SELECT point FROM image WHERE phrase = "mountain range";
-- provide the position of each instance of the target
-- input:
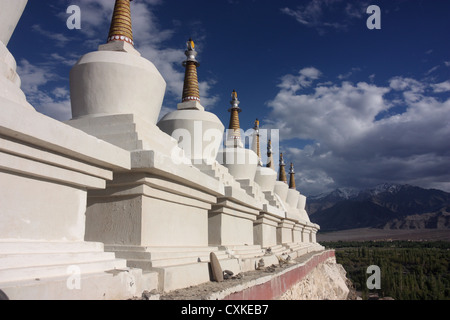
(388, 206)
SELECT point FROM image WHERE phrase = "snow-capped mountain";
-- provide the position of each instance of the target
(347, 208)
(340, 193)
(353, 193)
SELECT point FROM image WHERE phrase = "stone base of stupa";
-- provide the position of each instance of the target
(158, 215)
(175, 267)
(266, 225)
(38, 270)
(47, 169)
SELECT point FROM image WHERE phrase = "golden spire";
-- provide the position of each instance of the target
(269, 155)
(258, 149)
(234, 127)
(282, 176)
(291, 177)
(121, 28)
(190, 86)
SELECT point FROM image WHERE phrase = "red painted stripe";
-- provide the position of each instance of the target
(278, 285)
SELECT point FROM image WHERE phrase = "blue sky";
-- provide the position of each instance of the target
(355, 107)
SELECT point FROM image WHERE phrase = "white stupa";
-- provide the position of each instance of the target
(241, 162)
(198, 132)
(265, 177)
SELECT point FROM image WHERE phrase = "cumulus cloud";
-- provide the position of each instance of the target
(356, 142)
(441, 87)
(303, 79)
(58, 39)
(54, 103)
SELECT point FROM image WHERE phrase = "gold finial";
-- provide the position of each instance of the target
(234, 134)
(282, 176)
(291, 177)
(191, 44)
(190, 87)
(256, 137)
(234, 95)
(234, 120)
(121, 26)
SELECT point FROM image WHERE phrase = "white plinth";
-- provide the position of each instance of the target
(284, 231)
(265, 230)
(297, 233)
(307, 234)
(145, 210)
(231, 223)
(47, 169)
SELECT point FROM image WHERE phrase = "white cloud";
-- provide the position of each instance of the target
(60, 92)
(345, 110)
(441, 87)
(54, 103)
(304, 79)
(356, 11)
(59, 39)
(68, 60)
(352, 147)
(410, 87)
(431, 70)
(321, 14)
(32, 76)
(348, 74)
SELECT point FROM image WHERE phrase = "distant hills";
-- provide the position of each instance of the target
(388, 206)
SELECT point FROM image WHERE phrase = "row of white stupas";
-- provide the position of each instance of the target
(113, 202)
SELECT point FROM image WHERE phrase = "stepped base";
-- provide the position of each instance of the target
(253, 190)
(299, 249)
(109, 285)
(249, 256)
(278, 250)
(66, 270)
(129, 132)
(218, 172)
(176, 267)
